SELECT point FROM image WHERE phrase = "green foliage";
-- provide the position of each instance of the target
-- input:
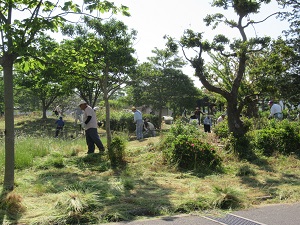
(55, 160)
(221, 129)
(278, 136)
(117, 151)
(123, 120)
(195, 205)
(182, 147)
(240, 146)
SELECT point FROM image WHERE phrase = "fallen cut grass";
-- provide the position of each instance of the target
(66, 186)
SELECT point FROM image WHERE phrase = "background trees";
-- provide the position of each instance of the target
(161, 84)
(17, 39)
(109, 45)
(291, 79)
(237, 51)
(42, 76)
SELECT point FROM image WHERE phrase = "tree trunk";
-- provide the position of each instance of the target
(107, 124)
(160, 117)
(235, 124)
(107, 110)
(9, 175)
(44, 110)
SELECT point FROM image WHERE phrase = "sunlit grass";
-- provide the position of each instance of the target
(60, 183)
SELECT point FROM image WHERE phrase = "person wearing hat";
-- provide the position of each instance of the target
(138, 120)
(275, 111)
(90, 125)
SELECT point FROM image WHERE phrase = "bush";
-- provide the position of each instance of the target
(117, 151)
(191, 153)
(282, 137)
(183, 147)
(221, 129)
(123, 120)
(240, 146)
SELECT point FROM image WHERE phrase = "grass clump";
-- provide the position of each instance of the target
(11, 204)
(226, 198)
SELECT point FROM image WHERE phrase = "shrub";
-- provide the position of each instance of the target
(221, 129)
(192, 153)
(240, 146)
(183, 147)
(117, 151)
(282, 137)
(123, 120)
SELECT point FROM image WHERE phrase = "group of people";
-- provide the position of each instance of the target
(207, 121)
(275, 112)
(142, 125)
(86, 115)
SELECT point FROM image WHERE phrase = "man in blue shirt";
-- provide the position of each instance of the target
(59, 126)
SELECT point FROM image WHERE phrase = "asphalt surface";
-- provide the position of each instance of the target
(283, 214)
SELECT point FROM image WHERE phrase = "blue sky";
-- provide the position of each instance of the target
(155, 18)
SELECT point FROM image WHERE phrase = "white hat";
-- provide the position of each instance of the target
(82, 102)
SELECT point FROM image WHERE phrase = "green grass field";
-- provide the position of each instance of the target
(56, 182)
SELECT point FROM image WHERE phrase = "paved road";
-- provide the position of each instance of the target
(285, 214)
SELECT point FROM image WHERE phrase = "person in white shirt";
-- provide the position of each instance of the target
(90, 125)
(275, 111)
(78, 116)
(149, 128)
(207, 123)
(221, 118)
(138, 120)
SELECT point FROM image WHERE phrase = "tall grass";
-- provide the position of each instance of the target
(26, 149)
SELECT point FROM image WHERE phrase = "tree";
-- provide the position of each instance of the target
(42, 76)
(291, 84)
(237, 49)
(110, 59)
(72, 57)
(1, 95)
(160, 83)
(17, 39)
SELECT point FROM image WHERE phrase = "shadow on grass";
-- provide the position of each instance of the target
(121, 196)
(45, 128)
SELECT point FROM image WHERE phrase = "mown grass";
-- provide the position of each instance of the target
(57, 183)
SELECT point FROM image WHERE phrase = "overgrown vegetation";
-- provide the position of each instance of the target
(182, 170)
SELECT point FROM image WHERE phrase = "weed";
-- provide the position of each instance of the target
(226, 198)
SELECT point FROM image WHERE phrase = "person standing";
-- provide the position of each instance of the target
(138, 120)
(57, 110)
(197, 114)
(59, 126)
(275, 111)
(207, 123)
(78, 116)
(90, 125)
